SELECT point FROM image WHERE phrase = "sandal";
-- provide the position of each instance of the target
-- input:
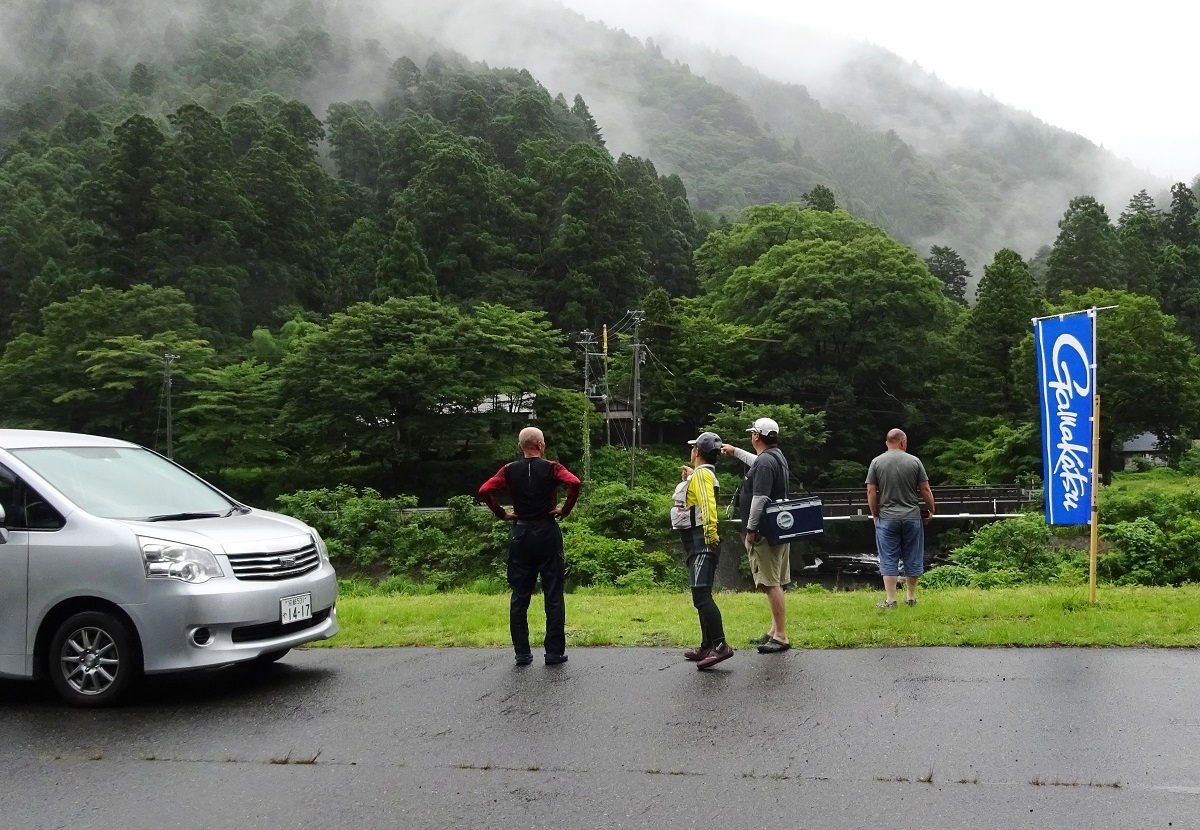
(886, 604)
(773, 646)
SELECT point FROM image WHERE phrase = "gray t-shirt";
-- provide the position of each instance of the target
(898, 476)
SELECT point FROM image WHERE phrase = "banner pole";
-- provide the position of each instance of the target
(1095, 530)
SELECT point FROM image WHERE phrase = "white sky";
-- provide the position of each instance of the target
(1123, 75)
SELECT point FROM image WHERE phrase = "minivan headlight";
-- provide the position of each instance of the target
(173, 560)
(322, 549)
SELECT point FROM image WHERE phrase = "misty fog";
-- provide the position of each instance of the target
(953, 130)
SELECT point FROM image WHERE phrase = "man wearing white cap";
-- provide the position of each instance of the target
(766, 481)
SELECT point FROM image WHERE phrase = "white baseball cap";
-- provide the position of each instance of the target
(765, 426)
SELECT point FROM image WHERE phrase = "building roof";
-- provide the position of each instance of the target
(1146, 442)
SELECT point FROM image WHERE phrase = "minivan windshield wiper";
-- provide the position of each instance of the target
(181, 517)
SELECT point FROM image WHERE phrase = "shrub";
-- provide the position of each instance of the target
(1021, 546)
(618, 511)
(593, 559)
(359, 528)
(639, 579)
(1143, 554)
(1189, 462)
(947, 576)
(997, 578)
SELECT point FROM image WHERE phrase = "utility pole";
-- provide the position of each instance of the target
(588, 341)
(168, 359)
(637, 398)
(607, 418)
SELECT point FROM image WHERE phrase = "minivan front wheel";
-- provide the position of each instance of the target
(92, 659)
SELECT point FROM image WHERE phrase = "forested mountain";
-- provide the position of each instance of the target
(994, 176)
(931, 164)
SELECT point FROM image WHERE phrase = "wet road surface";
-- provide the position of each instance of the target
(448, 738)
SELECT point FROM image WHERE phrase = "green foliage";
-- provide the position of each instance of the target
(1151, 377)
(1189, 462)
(1017, 550)
(989, 451)
(596, 559)
(371, 534)
(1155, 536)
(357, 528)
(945, 264)
(947, 576)
(998, 578)
(837, 305)
(617, 511)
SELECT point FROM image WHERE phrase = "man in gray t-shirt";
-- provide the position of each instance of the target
(896, 487)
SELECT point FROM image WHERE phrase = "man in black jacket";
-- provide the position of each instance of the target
(535, 544)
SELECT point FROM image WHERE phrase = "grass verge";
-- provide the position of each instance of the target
(1024, 616)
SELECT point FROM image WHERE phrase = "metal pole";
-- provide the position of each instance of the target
(637, 399)
(607, 411)
(586, 342)
(168, 359)
(1095, 528)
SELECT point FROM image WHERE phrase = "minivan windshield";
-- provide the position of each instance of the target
(125, 483)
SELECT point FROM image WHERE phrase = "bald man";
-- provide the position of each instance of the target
(896, 487)
(535, 544)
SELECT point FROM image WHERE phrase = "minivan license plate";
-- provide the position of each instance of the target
(294, 609)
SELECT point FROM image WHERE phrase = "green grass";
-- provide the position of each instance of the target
(1025, 616)
(1162, 480)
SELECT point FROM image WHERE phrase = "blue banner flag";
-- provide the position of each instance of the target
(1066, 348)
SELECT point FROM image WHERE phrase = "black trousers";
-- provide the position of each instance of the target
(702, 573)
(536, 548)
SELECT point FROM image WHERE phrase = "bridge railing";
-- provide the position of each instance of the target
(951, 501)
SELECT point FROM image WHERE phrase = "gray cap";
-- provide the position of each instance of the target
(706, 442)
(765, 426)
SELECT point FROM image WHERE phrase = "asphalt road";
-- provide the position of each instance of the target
(449, 738)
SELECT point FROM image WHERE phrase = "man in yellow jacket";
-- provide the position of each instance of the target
(694, 515)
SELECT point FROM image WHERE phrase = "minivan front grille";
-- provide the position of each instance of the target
(270, 567)
(269, 631)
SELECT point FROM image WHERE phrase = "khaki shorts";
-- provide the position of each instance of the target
(770, 564)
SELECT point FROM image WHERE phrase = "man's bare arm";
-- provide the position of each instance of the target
(873, 501)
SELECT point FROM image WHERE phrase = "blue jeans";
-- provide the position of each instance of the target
(900, 540)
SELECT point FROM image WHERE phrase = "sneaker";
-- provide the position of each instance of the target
(760, 641)
(524, 659)
(695, 654)
(886, 604)
(555, 659)
(911, 603)
(773, 646)
(723, 651)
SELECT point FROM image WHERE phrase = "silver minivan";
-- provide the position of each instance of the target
(115, 561)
